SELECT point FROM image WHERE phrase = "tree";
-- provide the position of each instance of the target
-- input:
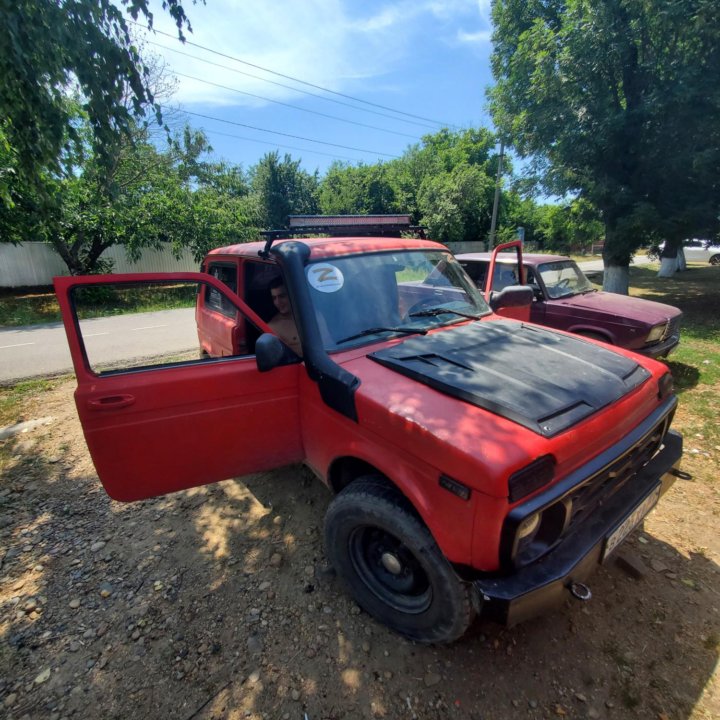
(145, 198)
(618, 101)
(456, 205)
(48, 48)
(282, 189)
(357, 190)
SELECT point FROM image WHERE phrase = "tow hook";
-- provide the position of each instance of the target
(580, 591)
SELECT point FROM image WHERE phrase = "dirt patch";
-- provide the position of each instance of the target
(216, 603)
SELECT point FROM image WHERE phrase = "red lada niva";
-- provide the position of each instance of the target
(479, 464)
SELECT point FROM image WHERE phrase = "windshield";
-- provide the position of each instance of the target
(563, 279)
(364, 298)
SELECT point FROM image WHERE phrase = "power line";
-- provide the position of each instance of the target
(277, 145)
(295, 107)
(290, 87)
(277, 132)
(294, 79)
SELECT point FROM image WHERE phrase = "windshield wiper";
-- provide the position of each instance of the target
(441, 311)
(372, 331)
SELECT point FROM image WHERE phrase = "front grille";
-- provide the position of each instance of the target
(673, 327)
(599, 488)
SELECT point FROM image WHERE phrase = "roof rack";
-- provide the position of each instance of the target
(343, 226)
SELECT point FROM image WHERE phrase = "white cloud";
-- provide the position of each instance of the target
(480, 37)
(331, 43)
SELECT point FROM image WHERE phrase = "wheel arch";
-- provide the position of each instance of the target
(593, 333)
(345, 470)
(424, 497)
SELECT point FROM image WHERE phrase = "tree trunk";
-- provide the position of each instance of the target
(682, 263)
(672, 259)
(668, 267)
(616, 279)
(616, 258)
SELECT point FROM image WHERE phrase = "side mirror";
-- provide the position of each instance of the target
(512, 296)
(271, 352)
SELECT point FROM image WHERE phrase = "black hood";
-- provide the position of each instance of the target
(538, 378)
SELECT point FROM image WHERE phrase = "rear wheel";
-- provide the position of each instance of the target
(715, 260)
(392, 565)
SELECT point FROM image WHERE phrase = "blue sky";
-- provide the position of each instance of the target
(427, 58)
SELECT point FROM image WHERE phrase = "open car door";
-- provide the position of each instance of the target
(496, 283)
(157, 415)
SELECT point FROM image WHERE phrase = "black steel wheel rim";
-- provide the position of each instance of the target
(407, 590)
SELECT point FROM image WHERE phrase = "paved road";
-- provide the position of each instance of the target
(594, 266)
(39, 350)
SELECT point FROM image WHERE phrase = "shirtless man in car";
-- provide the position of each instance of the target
(283, 322)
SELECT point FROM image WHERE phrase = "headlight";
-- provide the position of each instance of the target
(656, 333)
(528, 527)
(666, 386)
(539, 532)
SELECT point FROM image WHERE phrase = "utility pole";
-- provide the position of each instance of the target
(496, 203)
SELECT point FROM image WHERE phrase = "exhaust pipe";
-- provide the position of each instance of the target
(580, 591)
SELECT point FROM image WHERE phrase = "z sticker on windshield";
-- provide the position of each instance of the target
(326, 278)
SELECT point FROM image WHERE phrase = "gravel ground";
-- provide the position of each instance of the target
(217, 603)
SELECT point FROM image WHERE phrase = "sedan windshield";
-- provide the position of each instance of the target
(563, 279)
(360, 299)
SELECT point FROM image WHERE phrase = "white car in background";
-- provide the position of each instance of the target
(701, 251)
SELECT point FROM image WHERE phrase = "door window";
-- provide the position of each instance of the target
(130, 326)
(226, 273)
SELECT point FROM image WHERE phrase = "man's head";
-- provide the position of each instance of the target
(279, 296)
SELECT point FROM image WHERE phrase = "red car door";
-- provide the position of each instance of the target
(173, 421)
(518, 313)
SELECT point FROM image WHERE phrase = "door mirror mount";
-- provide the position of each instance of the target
(271, 352)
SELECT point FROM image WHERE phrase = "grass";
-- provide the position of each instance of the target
(28, 308)
(101, 301)
(36, 307)
(14, 397)
(695, 364)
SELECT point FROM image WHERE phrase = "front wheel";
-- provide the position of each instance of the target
(392, 565)
(715, 260)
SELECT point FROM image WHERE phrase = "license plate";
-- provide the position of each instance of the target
(630, 522)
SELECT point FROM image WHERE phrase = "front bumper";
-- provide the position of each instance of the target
(543, 585)
(661, 349)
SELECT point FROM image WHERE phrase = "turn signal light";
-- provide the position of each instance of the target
(531, 478)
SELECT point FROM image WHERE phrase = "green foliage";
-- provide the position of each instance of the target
(281, 188)
(617, 100)
(357, 190)
(456, 205)
(146, 198)
(445, 183)
(48, 48)
(568, 228)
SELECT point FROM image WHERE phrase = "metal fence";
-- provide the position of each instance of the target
(33, 264)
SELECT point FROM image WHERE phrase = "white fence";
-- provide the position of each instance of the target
(32, 264)
(35, 263)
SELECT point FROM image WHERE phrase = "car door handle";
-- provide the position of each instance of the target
(111, 402)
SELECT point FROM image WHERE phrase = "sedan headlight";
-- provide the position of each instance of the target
(656, 333)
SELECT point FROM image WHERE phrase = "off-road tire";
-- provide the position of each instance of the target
(368, 526)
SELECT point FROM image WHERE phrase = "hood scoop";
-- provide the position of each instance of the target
(535, 377)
